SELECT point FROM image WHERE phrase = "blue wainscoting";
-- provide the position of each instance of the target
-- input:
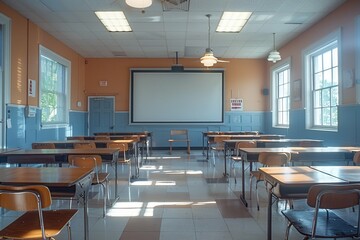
(26, 130)
(348, 127)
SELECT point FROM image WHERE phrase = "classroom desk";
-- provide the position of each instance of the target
(290, 182)
(211, 138)
(108, 155)
(230, 144)
(207, 133)
(5, 150)
(148, 134)
(143, 140)
(75, 181)
(69, 144)
(298, 154)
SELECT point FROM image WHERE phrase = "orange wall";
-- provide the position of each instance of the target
(25, 40)
(344, 18)
(244, 78)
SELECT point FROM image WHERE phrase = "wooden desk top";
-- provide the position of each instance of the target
(296, 176)
(5, 150)
(259, 150)
(72, 141)
(299, 150)
(64, 151)
(280, 140)
(347, 173)
(51, 176)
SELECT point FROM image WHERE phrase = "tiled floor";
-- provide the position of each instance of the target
(178, 197)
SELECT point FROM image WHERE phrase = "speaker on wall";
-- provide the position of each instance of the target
(265, 91)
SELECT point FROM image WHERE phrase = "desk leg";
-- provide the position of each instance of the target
(242, 194)
(269, 216)
(225, 165)
(86, 216)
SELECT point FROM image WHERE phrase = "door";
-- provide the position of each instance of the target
(101, 114)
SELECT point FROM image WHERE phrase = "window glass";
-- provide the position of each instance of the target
(54, 72)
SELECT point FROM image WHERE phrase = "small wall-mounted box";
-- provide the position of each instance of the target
(30, 111)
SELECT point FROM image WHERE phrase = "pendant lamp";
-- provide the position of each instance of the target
(274, 55)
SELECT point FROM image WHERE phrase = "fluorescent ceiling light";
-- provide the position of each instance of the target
(114, 21)
(233, 21)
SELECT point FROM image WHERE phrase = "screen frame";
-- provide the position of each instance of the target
(142, 70)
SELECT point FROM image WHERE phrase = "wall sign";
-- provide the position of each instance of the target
(236, 104)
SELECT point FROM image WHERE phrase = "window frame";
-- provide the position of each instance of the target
(321, 46)
(275, 70)
(63, 61)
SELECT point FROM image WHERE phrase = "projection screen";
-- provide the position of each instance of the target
(183, 97)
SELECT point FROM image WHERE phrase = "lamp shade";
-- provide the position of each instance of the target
(208, 60)
(274, 56)
(139, 3)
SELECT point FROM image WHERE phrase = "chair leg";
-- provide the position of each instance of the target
(170, 148)
(69, 231)
(250, 187)
(288, 231)
(213, 154)
(188, 148)
(257, 195)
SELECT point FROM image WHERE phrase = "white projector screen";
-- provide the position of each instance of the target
(165, 96)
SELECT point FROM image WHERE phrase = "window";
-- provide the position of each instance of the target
(54, 93)
(322, 72)
(281, 95)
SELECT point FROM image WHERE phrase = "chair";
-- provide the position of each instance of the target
(94, 162)
(356, 158)
(320, 221)
(267, 159)
(237, 157)
(123, 150)
(35, 222)
(179, 136)
(102, 137)
(43, 145)
(84, 145)
(218, 146)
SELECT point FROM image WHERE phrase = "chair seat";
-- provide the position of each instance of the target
(329, 225)
(54, 221)
(102, 177)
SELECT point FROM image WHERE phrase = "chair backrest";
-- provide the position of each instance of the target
(274, 159)
(307, 143)
(85, 161)
(24, 198)
(333, 196)
(179, 134)
(43, 146)
(244, 144)
(121, 146)
(84, 145)
(356, 158)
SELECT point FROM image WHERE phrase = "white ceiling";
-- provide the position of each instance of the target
(159, 34)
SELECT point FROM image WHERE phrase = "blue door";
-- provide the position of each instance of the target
(101, 114)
